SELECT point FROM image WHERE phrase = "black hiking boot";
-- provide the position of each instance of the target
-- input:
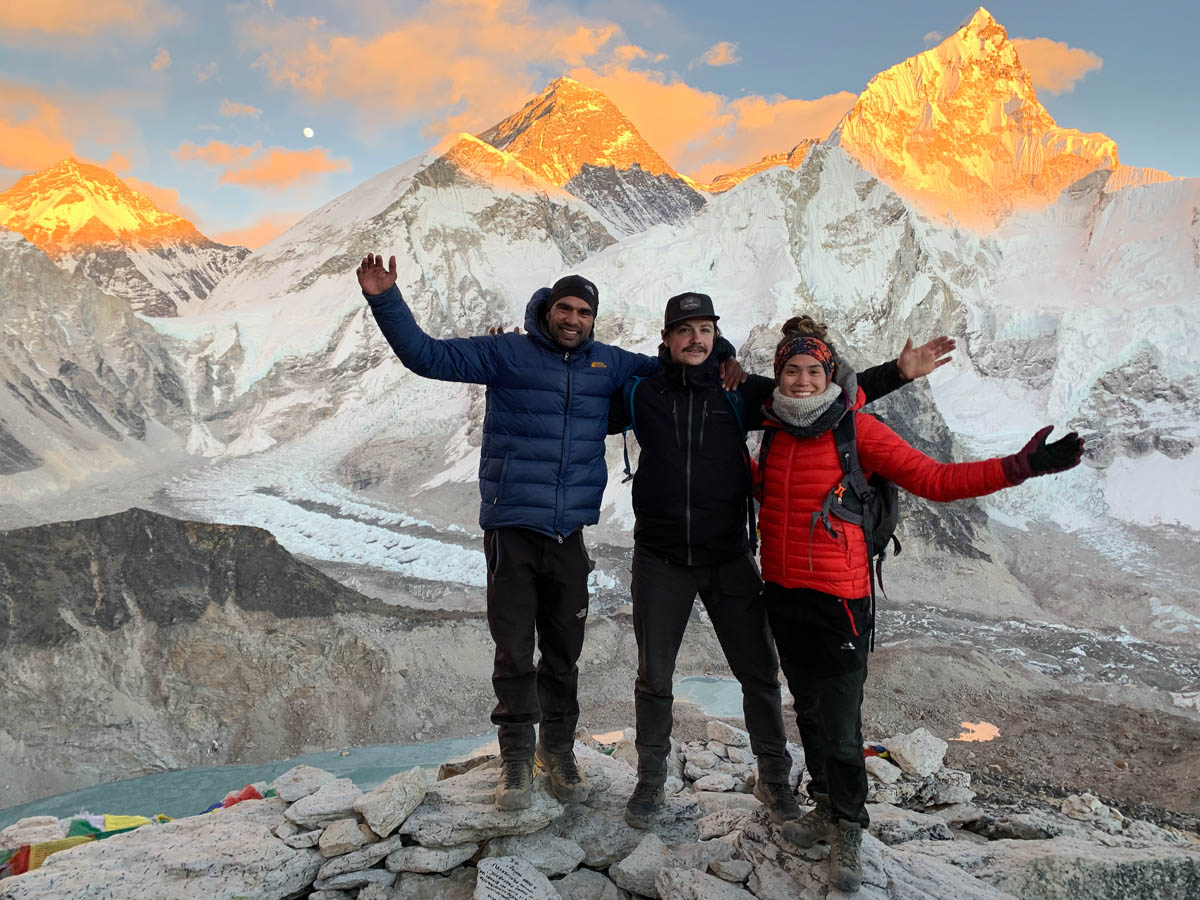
(514, 790)
(845, 857)
(779, 800)
(566, 781)
(813, 827)
(644, 805)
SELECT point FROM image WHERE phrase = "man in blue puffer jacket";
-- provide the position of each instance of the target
(541, 479)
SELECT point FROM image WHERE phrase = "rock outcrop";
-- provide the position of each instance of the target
(455, 845)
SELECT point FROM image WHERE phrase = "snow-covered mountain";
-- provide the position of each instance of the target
(959, 130)
(1076, 307)
(792, 159)
(90, 387)
(575, 137)
(88, 220)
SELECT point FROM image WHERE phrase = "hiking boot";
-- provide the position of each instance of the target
(779, 800)
(813, 827)
(644, 805)
(514, 790)
(566, 781)
(845, 856)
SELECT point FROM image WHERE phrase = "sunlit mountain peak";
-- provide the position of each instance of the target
(569, 125)
(89, 221)
(959, 130)
(73, 205)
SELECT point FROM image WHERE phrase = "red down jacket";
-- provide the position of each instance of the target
(799, 474)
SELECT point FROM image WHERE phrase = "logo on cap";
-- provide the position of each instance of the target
(692, 302)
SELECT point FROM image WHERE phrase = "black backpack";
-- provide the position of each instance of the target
(873, 504)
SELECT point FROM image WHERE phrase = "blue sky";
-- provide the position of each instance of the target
(202, 105)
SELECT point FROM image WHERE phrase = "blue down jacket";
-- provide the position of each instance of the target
(542, 461)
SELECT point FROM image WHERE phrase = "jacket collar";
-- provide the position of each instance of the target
(679, 375)
(535, 327)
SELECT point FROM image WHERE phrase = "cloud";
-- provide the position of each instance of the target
(206, 72)
(255, 235)
(83, 18)
(33, 129)
(721, 54)
(166, 199)
(117, 162)
(229, 108)
(933, 38)
(453, 65)
(282, 168)
(215, 153)
(274, 168)
(706, 134)
(1055, 67)
(162, 59)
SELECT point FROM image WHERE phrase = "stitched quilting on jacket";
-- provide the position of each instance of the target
(541, 465)
(799, 474)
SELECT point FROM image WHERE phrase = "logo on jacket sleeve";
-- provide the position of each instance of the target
(599, 365)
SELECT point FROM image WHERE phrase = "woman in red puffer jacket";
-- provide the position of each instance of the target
(817, 589)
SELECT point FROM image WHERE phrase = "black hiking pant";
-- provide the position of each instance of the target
(823, 645)
(663, 594)
(536, 592)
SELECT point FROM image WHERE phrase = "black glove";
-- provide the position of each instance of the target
(1039, 458)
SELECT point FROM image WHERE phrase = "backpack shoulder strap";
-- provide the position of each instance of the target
(629, 390)
(738, 404)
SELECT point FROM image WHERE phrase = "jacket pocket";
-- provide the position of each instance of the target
(501, 480)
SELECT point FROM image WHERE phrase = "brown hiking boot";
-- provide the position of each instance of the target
(813, 827)
(779, 800)
(566, 781)
(845, 856)
(514, 790)
(644, 805)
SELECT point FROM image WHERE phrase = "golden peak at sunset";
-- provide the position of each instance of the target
(959, 129)
(74, 205)
(569, 125)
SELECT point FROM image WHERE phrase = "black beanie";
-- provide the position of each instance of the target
(575, 286)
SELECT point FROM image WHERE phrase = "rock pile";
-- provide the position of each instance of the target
(415, 837)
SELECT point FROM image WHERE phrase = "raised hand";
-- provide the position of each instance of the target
(373, 278)
(1039, 458)
(499, 329)
(915, 362)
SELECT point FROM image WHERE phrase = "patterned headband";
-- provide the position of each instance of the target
(812, 346)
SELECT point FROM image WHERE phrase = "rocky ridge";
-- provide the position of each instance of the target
(89, 221)
(416, 837)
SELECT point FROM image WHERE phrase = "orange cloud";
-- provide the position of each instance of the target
(705, 134)
(460, 65)
(84, 18)
(282, 168)
(162, 59)
(166, 199)
(117, 162)
(33, 129)
(265, 230)
(214, 153)
(275, 168)
(722, 54)
(229, 108)
(1055, 67)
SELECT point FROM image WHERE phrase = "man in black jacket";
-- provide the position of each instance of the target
(690, 501)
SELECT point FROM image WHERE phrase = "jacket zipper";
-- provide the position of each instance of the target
(703, 419)
(687, 503)
(561, 460)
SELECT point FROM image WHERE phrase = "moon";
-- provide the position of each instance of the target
(307, 132)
